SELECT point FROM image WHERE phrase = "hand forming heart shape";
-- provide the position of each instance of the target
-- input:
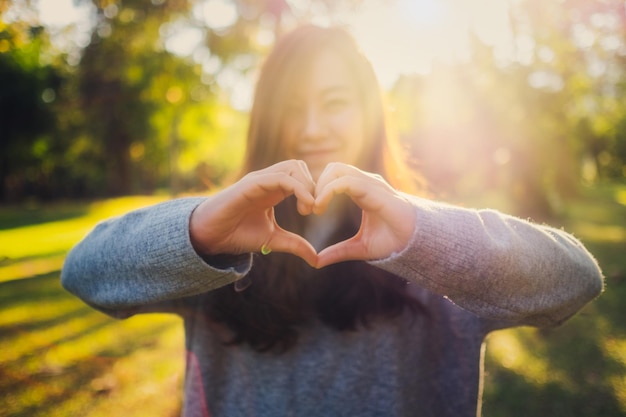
(241, 219)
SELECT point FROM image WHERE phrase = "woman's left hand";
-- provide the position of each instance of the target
(388, 219)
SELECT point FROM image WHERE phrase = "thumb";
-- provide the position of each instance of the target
(288, 242)
(348, 250)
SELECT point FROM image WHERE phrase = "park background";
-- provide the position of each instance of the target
(110, 105)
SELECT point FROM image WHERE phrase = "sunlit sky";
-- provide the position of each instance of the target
(401, 36)
(409, 35)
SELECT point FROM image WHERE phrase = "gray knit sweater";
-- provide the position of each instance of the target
(474, 271)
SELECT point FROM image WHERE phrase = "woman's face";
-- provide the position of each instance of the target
(323, 119)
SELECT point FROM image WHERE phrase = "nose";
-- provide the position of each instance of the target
(314, 127)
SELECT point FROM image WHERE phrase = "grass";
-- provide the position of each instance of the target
(59, 357)
(579, 368)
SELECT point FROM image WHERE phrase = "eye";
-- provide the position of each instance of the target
(336, 104)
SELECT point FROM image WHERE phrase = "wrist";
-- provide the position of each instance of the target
(197, 234)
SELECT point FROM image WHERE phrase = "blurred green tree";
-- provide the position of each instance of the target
(154, 99)
(26, 89)
(522, 127)
(138, 94)
(117, 70)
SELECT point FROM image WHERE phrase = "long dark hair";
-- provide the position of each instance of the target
(286, 293)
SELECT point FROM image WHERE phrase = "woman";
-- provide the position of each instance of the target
(313, 286)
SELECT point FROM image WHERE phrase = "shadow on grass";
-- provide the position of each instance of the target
(579, 372)
(577, 356)
(42, 288)
(62, 353)
(36, 213)
(15, 329)
(40, 393)
(514, 396)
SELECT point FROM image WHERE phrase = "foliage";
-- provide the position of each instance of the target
(525, 127)
(125, 113)
(27, 122)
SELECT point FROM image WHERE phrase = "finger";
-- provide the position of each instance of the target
(294, 168)
(364, 191)
(288, 242)
(340, 178)
(304, 171)
(348, 250)
(332, 171)
(277, 186)
(303, 174)
(279, 174)
(375, 197)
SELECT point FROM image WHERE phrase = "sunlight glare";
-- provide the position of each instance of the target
(217, 14)
(183, 40)
(490, 21)
(410, 36)
(406, 36)
(69, 25)
(59, 13)
(424, 13)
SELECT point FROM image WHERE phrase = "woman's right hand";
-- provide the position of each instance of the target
(240, 218)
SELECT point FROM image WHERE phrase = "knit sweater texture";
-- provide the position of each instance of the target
(474, 271)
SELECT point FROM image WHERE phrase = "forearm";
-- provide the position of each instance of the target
(144, 257)
(497, 266)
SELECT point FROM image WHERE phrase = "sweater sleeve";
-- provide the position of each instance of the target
(144, 257)
(496, 266)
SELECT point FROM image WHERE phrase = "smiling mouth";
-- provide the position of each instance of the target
(318, 153)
